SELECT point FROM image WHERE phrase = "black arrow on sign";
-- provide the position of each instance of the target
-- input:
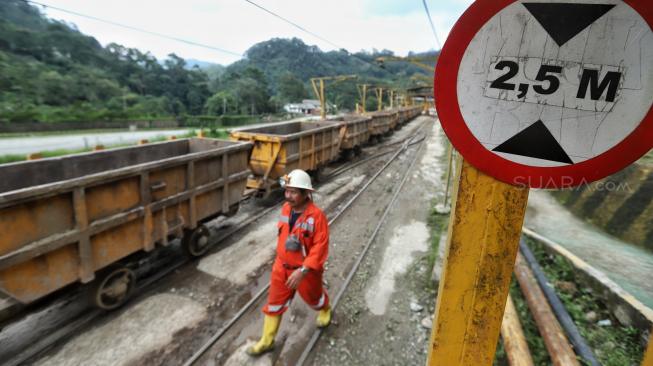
(535, 141)
(563, 21)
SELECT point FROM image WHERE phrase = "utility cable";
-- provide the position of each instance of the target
(293, 24)
(161, 35)
(435, 34)
(303, 29)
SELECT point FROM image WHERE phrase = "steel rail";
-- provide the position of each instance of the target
(318, 332)
(198, 354)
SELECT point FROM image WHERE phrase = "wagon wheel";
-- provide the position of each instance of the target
(196, 242)
(233, 209)
(319, 176)
(357, 150)
(113, 289)
(348, 154)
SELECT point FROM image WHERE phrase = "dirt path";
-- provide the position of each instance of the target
(385, 317)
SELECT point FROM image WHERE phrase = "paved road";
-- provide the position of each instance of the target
(32, 144)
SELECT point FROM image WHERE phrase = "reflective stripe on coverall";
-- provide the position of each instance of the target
(312, 230)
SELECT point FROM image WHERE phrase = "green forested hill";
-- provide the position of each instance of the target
(292, 61)
(50, 72)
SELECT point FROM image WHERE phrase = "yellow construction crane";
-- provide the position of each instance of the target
(378, 90)
(362, 93)
(318, 88)
(379, 98)
(420, 61)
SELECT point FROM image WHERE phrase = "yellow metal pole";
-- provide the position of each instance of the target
(316, 90)
(648, 356)
(322, 100)
(379, 98)
(482, 244)
(392, 99)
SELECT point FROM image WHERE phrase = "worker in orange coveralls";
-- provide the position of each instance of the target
(302, 249)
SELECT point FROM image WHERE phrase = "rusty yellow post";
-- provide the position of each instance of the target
(98, 147)
(648, 355)
(322, 101)
(379, 98)
(392, 99)
(482, 244)
(201, 134)
(143, 142)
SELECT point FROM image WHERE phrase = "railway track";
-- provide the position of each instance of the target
(84, 318)
(249, 306)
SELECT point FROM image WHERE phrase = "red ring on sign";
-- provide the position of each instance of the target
(631, 148)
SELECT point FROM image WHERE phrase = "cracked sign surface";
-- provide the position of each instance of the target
(542, 84)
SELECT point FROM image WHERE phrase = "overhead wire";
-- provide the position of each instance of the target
(197, 44)
(303, 29)
(293, 23)
(126, 26)
(428, 15)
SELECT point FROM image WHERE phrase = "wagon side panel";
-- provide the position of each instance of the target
(70, 233)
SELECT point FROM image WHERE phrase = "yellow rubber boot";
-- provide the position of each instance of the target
(266, 343)
(324, 317)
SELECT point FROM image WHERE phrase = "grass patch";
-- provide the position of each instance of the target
(614, 345)
(437, 223)
(11, 158)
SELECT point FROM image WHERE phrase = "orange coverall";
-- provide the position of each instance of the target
(312, 230)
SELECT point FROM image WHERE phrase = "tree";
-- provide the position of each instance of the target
(291, 89)
(220, 103)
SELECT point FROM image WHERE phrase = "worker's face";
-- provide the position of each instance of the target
(295, 197)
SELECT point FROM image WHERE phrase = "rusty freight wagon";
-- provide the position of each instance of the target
(79, 218)
(409, 113)
(281, 147)
(356, 133)
(414, 111)
(402, 116)
(394, 118)
(380, 124)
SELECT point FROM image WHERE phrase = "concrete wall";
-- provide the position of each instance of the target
(621, 204)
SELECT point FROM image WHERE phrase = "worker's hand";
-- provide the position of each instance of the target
(295, 278)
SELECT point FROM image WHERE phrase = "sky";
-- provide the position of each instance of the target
(235, 25)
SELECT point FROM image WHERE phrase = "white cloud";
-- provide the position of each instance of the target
(236, 25)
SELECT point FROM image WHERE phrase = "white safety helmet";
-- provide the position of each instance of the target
(297, 179)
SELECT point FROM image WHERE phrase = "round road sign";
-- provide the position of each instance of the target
(549, 94)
